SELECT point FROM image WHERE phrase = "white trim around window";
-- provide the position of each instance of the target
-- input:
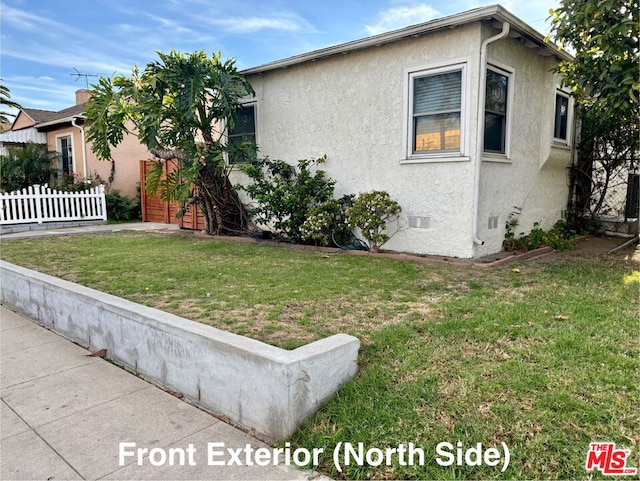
(71, 152)
(509, 73)
(559, 141)
(443, 126)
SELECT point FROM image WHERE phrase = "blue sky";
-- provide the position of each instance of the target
(43, 42)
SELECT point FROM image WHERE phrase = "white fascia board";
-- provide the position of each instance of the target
(495, 12)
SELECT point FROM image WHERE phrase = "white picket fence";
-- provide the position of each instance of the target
(39, 203)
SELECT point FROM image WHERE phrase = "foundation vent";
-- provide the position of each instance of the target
(419, 222)
(493, 222)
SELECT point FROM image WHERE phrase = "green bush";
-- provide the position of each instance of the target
(326, 223)
(534, 239)
(370, 213)
(121, 208)
(26, 166)
(285, 194)
(559, 237)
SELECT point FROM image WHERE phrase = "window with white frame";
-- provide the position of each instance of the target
(561, 122)
(496, 111)
(242, 135)
(436, 112)
(65, 151)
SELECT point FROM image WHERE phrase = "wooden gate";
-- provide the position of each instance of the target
(154, 209)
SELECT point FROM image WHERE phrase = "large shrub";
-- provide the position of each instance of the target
(370, 212)
(285, 194)
(23, 167)
(121, 207)
(326, 223)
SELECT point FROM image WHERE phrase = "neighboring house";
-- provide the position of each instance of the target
(22, 130)
(64, 132)
(460, 119)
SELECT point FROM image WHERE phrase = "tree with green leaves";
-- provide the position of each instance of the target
(5, 100)
(179, 107)
(604, 36)
(604, 78)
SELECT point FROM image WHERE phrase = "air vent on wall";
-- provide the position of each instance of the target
(419, 222)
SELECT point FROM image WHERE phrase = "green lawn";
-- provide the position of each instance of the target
(545, 360)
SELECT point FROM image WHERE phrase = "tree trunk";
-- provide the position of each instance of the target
(224, 212)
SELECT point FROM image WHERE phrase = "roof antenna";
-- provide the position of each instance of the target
(77, 74)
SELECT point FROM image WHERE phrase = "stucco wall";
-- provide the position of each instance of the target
(351, 108)
(534, 177)
(127, 157)
(22, 121)
(76, 146)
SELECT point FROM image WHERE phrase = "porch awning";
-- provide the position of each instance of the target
(23, 136)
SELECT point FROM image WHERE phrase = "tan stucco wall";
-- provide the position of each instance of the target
(22, 121)
(127, 157)
(76, 146)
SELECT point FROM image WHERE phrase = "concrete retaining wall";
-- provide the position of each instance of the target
(254, 384)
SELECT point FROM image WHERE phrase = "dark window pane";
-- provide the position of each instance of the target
(66, 156)
(494, 132)
(241, 149)
(244, 121)
(562, 114)
(497, 89)
(242, 136)
(495, 116)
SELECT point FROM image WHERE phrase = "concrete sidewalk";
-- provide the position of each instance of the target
(63, 416)
(92, 229)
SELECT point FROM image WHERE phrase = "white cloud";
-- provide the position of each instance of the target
(25, 20)
(284, 22)
(41, 93)
(169, 25)
(246, 25)
(399, 17)
(68, 56)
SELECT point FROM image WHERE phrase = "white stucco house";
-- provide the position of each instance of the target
(460, 119)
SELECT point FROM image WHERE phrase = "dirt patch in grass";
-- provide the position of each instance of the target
(290, 324)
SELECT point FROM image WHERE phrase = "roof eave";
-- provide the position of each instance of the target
(60, 121)
(495, 12)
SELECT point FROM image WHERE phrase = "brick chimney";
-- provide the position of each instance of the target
(82, 96)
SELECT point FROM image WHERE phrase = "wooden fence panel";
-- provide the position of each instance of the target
(154, 209)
